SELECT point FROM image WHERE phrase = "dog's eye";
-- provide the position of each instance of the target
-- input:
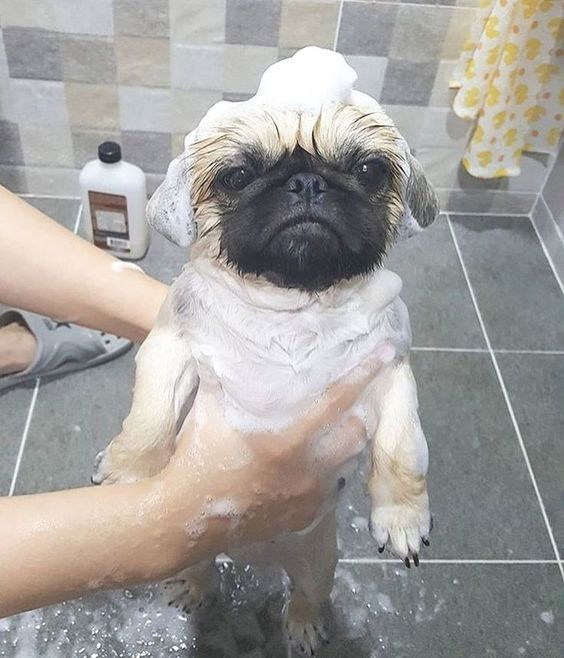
(372, 172)
(237, 178)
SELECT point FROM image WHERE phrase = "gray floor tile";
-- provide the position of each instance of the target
(14, 406)
(517, 293)
(74, 418)
(482, 499)
(435, 291)
(63, 211)
(536, 387)
(447, 611)
(377, 610)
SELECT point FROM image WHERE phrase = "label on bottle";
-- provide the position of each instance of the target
(110, 223)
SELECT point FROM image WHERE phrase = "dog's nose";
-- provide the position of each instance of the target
(308, 185)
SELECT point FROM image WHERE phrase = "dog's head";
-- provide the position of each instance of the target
(306, 184)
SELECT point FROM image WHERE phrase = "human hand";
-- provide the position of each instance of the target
(252, 486)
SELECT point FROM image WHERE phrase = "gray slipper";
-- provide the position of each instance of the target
(61, 347)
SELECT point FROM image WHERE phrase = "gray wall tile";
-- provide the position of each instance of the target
(408, 83)
(366, 29)
(549, 231)
(197, 67)
(14, 178)
(53, 181)
(88, 59)
(37, 102)
(553, 190)
(145, 109)
(148, 150)
(419, 33)
(10, 144)
(371, 72)
(33, 53)
(252, 22)
(49, 148)
(143, 18)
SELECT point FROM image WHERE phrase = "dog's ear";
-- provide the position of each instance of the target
(169, 210)
(420, 196)
(420, 201)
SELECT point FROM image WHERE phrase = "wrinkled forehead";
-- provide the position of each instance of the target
(328, 132)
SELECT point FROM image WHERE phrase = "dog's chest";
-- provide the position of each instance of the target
(273, 361)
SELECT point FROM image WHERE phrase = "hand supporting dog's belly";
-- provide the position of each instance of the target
(273, 482)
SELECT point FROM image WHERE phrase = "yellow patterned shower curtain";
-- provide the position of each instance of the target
(511, 79)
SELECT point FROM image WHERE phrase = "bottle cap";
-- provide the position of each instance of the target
(109, 152)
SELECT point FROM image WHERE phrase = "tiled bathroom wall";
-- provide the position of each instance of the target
(76, 72)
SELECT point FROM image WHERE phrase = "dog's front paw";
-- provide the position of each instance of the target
(304, 634)
(188, 594)
(403, 527)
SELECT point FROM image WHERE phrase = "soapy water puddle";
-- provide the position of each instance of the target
(242, 621)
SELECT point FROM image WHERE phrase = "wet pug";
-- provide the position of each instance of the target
(289, 203)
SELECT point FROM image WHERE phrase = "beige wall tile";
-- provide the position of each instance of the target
(142, 61)
(197, 22)
(85, 144)
(28, 13)
(244, 66)
(51, 148)
(308, 23)
(92, 106)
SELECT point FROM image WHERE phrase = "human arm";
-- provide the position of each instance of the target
(46, 269)
(61, 545)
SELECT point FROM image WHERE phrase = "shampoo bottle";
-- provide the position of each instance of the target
(114, 196)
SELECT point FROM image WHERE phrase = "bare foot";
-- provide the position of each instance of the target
(17, 348)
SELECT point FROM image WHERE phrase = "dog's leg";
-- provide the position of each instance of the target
(193, 587)
(309, 560)
(400, 505)
(165, 378)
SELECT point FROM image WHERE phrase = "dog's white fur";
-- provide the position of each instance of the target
(273, 352)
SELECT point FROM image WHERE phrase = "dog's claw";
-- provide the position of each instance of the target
(416, 560)
(381, 549)
(425, 541)
(407, 563)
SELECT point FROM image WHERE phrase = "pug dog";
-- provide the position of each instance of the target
(289, 203)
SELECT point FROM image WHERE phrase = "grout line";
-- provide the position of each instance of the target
(481, 350)
(24, 437)
(546, 352)
(507, 399)
(475, 213)
(471, 350)
(338, 26)
(548, 256)
(375, 560)
(77, 220)
(49, 196)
